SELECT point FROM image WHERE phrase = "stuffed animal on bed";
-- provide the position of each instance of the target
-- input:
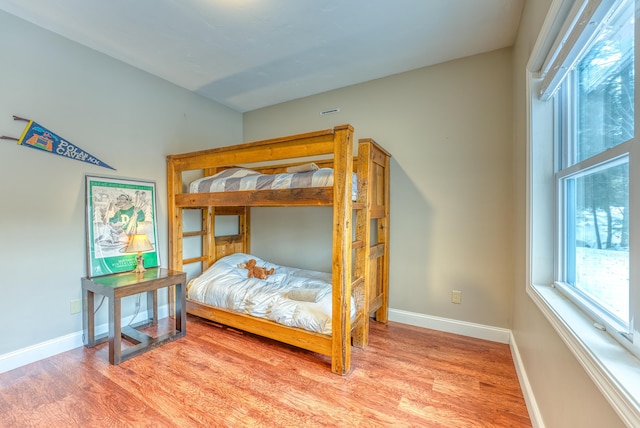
(255, 271)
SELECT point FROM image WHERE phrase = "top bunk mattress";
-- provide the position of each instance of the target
(239, 179)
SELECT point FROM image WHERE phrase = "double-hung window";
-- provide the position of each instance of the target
(584, 189)
(594, 132)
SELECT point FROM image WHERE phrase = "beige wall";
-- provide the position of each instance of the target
(564, 392)
(121, 115)
(449, 130)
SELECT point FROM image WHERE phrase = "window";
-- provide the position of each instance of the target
(594, 115)
(584, 190)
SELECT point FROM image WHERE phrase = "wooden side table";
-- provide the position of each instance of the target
(120, 285)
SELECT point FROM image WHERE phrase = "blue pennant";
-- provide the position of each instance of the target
(38, 137)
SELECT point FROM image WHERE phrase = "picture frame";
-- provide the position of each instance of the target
(116, 209)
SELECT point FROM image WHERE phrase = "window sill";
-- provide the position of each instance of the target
(614, 370)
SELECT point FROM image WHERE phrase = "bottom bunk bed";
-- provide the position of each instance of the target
(325, 313)
(286, 295)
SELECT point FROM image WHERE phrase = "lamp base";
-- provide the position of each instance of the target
(140, 266)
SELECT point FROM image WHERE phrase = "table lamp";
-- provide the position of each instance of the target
(138, 244)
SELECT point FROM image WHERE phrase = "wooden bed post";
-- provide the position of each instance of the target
(244, 224)
(208, 237)
(208, 228)
(382, 314)
(174, 186)
(174, 213)
(341, 253)
(362, 263)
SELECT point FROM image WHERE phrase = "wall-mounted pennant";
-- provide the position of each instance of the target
(38, 137)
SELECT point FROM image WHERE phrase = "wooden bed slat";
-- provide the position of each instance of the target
(317, 196)
(228, 239)
(190, 234)
(324, 135)
(377, 251)
(229, 210)
(293, 336)
(193, 260)
(376, 303)
(378, 211)
(256, 152)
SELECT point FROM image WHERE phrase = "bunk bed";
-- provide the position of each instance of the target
(360, 236)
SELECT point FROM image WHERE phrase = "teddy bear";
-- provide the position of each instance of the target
(255, 271)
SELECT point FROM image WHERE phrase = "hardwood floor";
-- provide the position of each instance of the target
(215, 376)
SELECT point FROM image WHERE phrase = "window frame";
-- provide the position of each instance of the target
(567, 166)
(618, 330)
(613, 366)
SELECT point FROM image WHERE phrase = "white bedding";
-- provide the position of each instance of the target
(287, 297)
(238, 179)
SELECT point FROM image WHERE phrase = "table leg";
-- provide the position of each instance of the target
(181, 313)
(115, 330)
(152, 307)
(88, 318)
(171, 298)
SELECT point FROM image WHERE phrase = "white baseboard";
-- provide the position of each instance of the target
(527, 391)
(39, 351)
(49, 348)
(479, 331)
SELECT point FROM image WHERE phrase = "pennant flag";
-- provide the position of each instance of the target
(38, 137)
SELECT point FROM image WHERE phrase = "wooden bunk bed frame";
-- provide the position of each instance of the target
(360, 266)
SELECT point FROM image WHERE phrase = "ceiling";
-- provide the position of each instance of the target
(248, 54)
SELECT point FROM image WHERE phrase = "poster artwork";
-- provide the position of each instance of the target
(117, 210)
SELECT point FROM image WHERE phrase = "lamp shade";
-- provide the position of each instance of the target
(138, 243)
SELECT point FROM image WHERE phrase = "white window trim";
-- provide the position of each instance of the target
(613, 368)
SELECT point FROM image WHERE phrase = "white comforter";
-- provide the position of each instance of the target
(287, 297)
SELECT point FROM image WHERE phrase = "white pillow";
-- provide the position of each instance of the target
(303, 168)
(235, 173)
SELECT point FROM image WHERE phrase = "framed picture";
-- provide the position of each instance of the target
(117, 209)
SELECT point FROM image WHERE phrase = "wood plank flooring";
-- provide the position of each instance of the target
(215, 376)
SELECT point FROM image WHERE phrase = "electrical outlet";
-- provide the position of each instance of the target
(75, 307)
(456, 296)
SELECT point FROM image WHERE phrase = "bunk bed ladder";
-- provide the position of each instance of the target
(370, 284)
(379, 211)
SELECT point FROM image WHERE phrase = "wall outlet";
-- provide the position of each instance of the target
(74, 307)
(456, 296)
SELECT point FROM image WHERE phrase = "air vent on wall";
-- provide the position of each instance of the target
(330, 111)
